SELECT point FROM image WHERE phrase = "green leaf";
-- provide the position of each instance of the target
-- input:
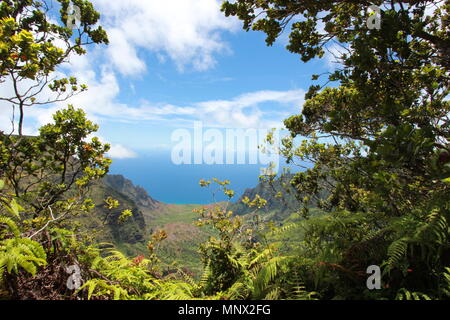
(15, 208)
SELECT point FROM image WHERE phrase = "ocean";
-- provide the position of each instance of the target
(179, 184)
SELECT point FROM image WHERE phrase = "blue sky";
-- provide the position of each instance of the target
(173, 62)
(247, 66)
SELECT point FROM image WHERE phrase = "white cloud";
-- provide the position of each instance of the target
(118, 151)
(123, 55)
(260, 109)
(245, 111)
(101, 102)
(186, 31)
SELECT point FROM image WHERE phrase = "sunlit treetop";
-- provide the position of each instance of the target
(35, 38)
(33, 43)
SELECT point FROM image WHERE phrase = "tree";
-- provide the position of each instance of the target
(44, 179)
(44, 182)
(379, 137)
(32, 46)
(42, 170)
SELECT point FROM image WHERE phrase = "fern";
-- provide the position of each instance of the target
(21, 253)
(238, 291)
(268, 273)
(173, 290)
(299, 291)
(265, 254)
(273, 294)
(433, 233)
(99, 288)
(12, 226)
(396, 252)
(446, 283)
(187, 278)
(205, 275)
(404, 294)
(288, 227)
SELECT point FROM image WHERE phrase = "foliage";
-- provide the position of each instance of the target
(241, 263)
(378, 140)
(32, 46)
(16, 251)
(50, 173)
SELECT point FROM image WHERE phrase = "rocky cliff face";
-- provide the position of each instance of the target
(136, 193)
(131, 235)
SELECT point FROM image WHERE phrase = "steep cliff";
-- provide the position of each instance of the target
(136, 193)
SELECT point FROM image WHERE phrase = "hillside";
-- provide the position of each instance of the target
(180, 249)
(149, 215)
(277, 208)
(181, 246)
(130, 236)
(136, 193)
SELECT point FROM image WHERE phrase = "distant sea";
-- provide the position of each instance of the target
(179, 184)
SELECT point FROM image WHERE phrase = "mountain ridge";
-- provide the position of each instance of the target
(137, 193)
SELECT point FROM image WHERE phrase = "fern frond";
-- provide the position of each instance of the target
(288, 227)
(262, 256)
(187, 278)
(273, 294)
(21, 253)
(205, 275)
(99, 287)
(396, 251)
(268, 273)
(238, 291)
(404, 294)
(12, 226)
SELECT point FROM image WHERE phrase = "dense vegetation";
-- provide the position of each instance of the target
(377, 134)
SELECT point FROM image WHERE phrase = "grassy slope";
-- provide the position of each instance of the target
(181, 246)
(132, 236)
